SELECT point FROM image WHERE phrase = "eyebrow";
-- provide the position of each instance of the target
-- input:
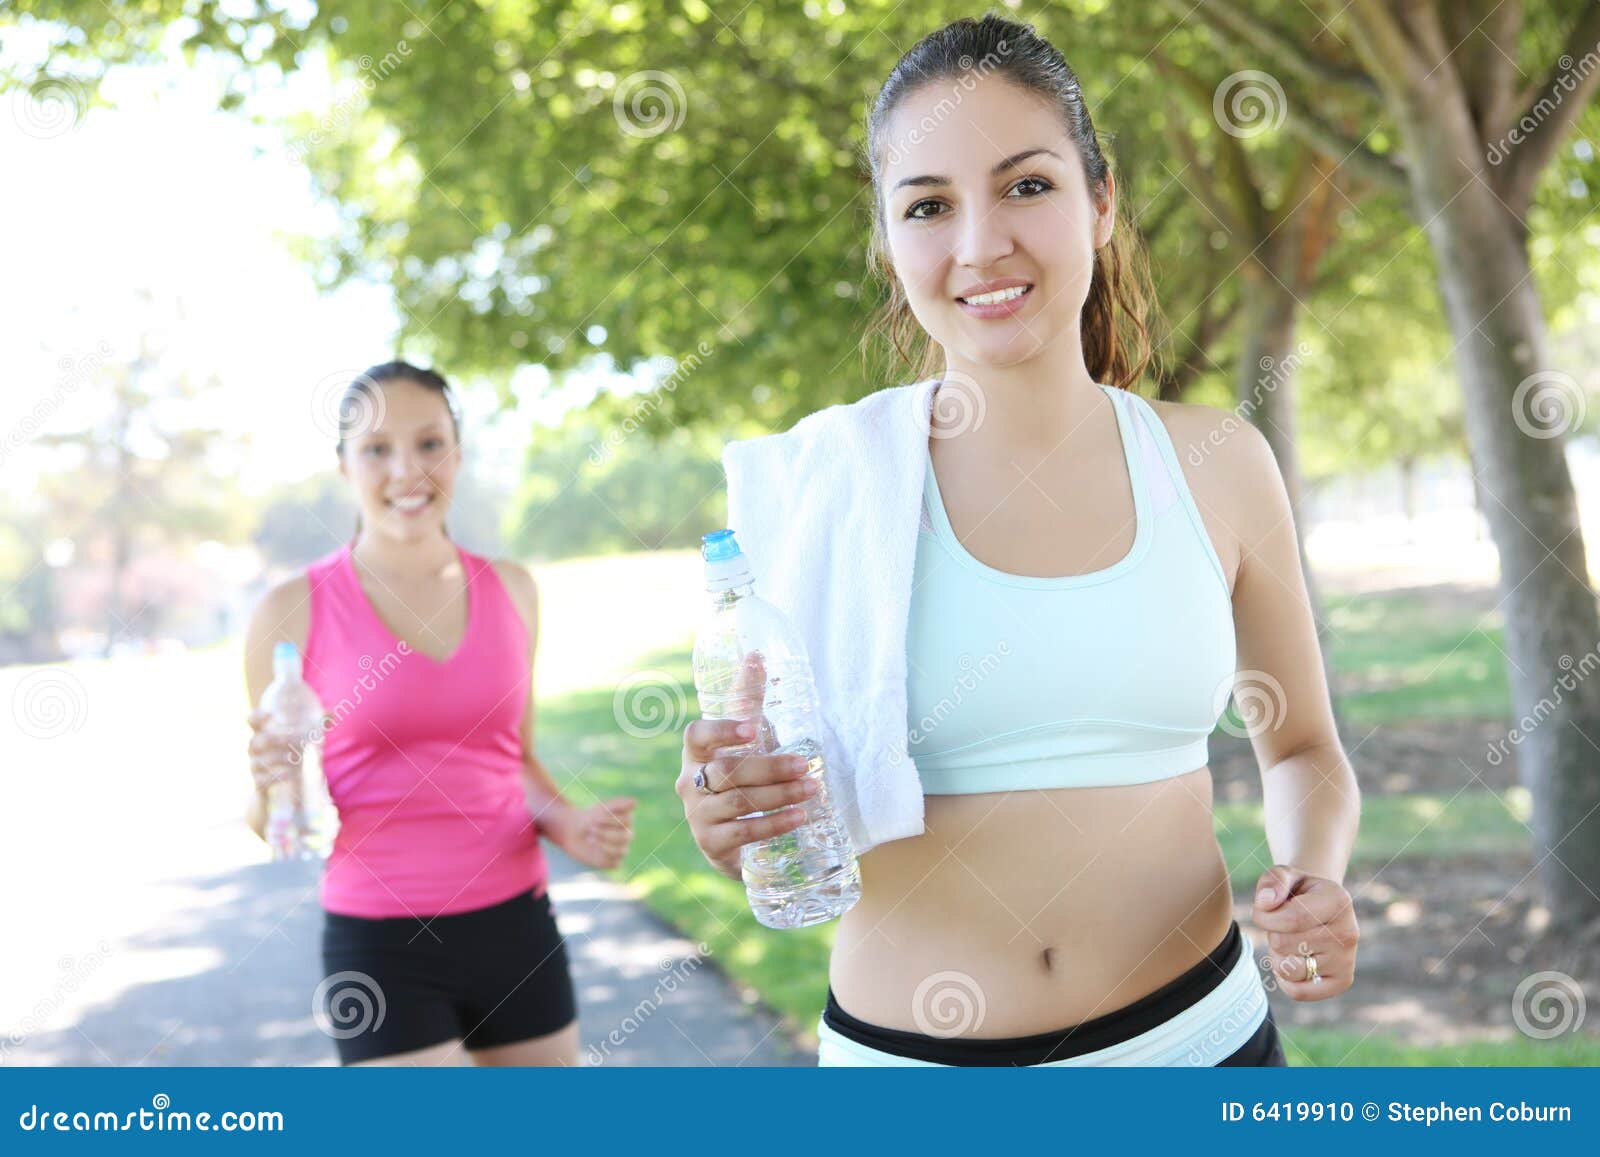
(434, 426)
(1010, 162)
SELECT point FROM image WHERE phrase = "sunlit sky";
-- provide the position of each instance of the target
(165, 194)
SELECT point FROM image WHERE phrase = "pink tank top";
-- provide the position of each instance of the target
(423, 757)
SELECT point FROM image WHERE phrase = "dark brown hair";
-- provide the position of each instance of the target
(361, 395)
(1115, 318)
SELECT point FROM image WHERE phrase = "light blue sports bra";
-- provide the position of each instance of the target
(1112, 677)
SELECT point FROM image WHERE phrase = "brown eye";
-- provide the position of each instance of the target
(1040, 184)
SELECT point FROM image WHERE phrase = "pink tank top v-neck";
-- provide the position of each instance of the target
(423, 757)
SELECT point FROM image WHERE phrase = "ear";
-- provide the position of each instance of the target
(1106, 213)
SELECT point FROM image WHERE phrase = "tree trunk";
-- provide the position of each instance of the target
(1527, 495)
(1264, 383)
(1408, 494)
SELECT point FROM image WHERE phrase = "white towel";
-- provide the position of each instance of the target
(827, 513)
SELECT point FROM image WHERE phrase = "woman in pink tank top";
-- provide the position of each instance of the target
(439, 936)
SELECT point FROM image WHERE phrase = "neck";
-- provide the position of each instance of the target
(1032, 406)
(422, 559)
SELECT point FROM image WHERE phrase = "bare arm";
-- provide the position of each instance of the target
(1311, 801)
(284, 614)
(598, 835)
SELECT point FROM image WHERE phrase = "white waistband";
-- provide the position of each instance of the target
(1199, 1036)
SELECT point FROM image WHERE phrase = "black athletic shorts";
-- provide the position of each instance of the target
(491, 976)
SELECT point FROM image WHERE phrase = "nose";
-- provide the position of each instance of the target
(984, 239)
(404, 466)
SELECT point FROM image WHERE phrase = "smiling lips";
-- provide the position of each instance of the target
(412, 504)
(996, 298)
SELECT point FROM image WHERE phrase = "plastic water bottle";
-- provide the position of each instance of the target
(299, 814)
(750, 665)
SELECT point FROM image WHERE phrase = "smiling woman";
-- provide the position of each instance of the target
(435, 889)
(1066, 901)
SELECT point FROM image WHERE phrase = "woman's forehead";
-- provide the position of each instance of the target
(959, 126)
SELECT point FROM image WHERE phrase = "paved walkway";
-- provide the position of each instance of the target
(144, 926)
(646, 997)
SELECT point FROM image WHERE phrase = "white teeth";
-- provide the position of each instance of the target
(412, 503)
(997, 296)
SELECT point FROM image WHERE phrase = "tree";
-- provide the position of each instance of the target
(1474, 132)
(141, 470)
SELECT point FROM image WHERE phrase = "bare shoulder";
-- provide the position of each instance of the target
(519, 584)
(1231, 472)
(1223, 455)
(284, 613)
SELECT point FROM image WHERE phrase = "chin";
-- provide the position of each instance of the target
(1003, 355)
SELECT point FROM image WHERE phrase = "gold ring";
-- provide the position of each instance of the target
(1311, 968)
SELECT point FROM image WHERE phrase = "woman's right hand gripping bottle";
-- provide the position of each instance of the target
(750, 665)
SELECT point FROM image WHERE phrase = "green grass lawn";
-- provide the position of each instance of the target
(1400, 656)
(1332, 1048)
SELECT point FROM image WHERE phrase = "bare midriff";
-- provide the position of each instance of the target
(1040, 909)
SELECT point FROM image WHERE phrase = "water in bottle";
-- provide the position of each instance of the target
(299, 815)
(749, 665)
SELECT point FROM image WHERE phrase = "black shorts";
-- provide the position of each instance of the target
(491, 976)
